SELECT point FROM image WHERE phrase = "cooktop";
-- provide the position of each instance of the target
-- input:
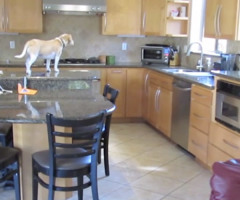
(78, 61)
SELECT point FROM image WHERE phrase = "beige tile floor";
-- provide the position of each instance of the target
(144, 165)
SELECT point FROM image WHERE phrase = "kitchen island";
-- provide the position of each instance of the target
(75, 97)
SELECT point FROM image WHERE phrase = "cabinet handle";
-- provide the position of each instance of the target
(215, 20)
(230, 144)
(143, 22)
(117, 71)
(196, 144)
(146, 84)
(198, 116)
(218, 25)
(105, 22)
(158, 94)
(200, 95)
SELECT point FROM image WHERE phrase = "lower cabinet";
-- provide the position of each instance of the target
(224, 144)
(200, 119)
(159, 102)
(129, 82)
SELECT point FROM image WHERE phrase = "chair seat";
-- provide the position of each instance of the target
(8, 156)
(63, 165)
(5, 128)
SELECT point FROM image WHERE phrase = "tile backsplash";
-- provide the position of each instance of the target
(89, 42)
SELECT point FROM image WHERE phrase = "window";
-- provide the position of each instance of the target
(210, 45)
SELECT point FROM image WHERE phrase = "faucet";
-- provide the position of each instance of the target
(200, 66)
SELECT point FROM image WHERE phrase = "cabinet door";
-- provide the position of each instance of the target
(154, 17)
(165, 111)
(153, 100)
(116, 77)
(134, 93)
(220, 23)
(145, 111)
(122, 17)
(23, 16)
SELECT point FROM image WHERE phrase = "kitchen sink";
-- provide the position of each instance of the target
(187, 72)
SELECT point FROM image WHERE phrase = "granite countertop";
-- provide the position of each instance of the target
(69, 104)
(68, 95)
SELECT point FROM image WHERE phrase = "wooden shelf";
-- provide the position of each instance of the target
(178, 1)
(178, 18)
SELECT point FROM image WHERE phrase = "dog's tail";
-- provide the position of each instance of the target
(23, 52)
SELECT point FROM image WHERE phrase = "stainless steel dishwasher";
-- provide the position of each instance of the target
(180, 112)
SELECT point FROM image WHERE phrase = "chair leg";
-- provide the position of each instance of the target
(105, 153)
(16, 179)
(50, 188)
(34, 184)
(80, 186)
(94, 183)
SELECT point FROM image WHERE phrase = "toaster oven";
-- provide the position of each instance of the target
(156, 54)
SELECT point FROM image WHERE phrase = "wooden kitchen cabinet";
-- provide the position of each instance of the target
(177, 26)
(156, 18)
(222, 19)
(224, 141)
(145, 112)
(134, 92)
(21, 16)
(200, 119)
(153, 17)
(122, 18)
(160, 102)
(117, 78)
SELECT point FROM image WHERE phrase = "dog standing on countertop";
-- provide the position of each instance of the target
(47, 49)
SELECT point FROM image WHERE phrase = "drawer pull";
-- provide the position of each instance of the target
(116, 71)
(196, 144)
(200, 95)
(199, 116)
(230, 144)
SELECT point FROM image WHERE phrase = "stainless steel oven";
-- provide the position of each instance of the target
(228, 105)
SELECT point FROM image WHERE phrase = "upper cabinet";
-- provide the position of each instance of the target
(221, 20)
(153, 17)
(21, 16)
(122, 17)
(177, 23)
(146, 17)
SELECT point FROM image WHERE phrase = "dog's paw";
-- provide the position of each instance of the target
(56, 70)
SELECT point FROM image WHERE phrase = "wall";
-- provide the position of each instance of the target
(86, 32)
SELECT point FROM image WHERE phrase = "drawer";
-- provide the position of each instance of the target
(198, 144)
(200, 116)
(161, 80)
(201, 95)
(225, 140)
(215, 154)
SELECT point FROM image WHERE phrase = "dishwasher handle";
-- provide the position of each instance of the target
(181, 88)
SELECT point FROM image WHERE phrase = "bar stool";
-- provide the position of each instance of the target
(111, 94)
(9, 167)
(6, 134)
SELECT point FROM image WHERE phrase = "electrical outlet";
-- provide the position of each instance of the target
(185, 48)
(124, 46)
(12, 44)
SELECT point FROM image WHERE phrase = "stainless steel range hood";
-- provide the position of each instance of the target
(74, 7)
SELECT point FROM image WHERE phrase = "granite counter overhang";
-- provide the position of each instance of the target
(203, 81)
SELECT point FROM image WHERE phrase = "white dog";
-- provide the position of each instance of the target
(50, 49)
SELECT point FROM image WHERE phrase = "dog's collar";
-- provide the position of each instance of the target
(62, 42)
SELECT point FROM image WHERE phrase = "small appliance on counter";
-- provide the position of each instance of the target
(156, 54)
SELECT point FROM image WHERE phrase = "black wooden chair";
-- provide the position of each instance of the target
(67, 159)
(111, 94)
(6, 134)
(9, 167)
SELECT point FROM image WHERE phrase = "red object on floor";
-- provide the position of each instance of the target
(225, 182)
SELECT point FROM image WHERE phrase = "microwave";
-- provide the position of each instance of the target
(228, 105)
(156, 54)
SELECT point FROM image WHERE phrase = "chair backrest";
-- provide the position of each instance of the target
(61, 133)
(110, 93)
